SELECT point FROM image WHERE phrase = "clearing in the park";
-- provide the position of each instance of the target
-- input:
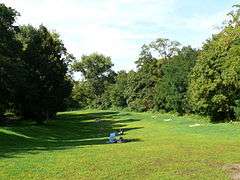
(162, 146)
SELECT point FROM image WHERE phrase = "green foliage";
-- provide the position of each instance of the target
(9, 46)
(118, 93)
(215, 80)
(10, 66)
(47, 83)
(139, 105)
(150, 72)
(139, 91)
(165, 47)
(94, 66)
(34, 76)
(98, 75)
(170, 93)
(237, 109)
(81, 94)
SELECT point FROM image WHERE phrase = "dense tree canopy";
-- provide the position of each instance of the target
(215, 81)
(96, 71)
(10, 50)
(47, 84)
(171, 89)
(33, 69)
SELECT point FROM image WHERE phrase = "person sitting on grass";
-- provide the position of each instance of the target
(112, 138)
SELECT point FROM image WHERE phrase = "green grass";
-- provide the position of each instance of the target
(74, 147)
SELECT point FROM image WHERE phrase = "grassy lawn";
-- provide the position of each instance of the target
(163, 146)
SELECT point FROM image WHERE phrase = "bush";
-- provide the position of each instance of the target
(139, 105)
(237, 110)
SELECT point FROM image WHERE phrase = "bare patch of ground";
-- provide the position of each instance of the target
(234, 170)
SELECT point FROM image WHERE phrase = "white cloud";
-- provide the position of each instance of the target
(117, 28)
(89, 26)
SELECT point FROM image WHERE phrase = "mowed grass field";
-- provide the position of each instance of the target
(163, 146)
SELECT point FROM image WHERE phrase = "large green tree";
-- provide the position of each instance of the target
(215, 80)
(171, 89)
(96, 69)
(149, 72)
(47, 84)
(11, 69)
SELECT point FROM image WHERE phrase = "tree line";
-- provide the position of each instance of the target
(169, 77)
(36, 74)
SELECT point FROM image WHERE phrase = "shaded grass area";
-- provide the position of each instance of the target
(68, 130)
(163, 146)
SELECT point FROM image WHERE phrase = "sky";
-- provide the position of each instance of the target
(118, 28)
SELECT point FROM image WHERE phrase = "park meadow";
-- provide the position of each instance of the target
(162, 146)
(175, 116)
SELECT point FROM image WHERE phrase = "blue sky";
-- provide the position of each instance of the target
(118, 28)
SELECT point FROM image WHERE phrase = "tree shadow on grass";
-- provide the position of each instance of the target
(68, 130)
